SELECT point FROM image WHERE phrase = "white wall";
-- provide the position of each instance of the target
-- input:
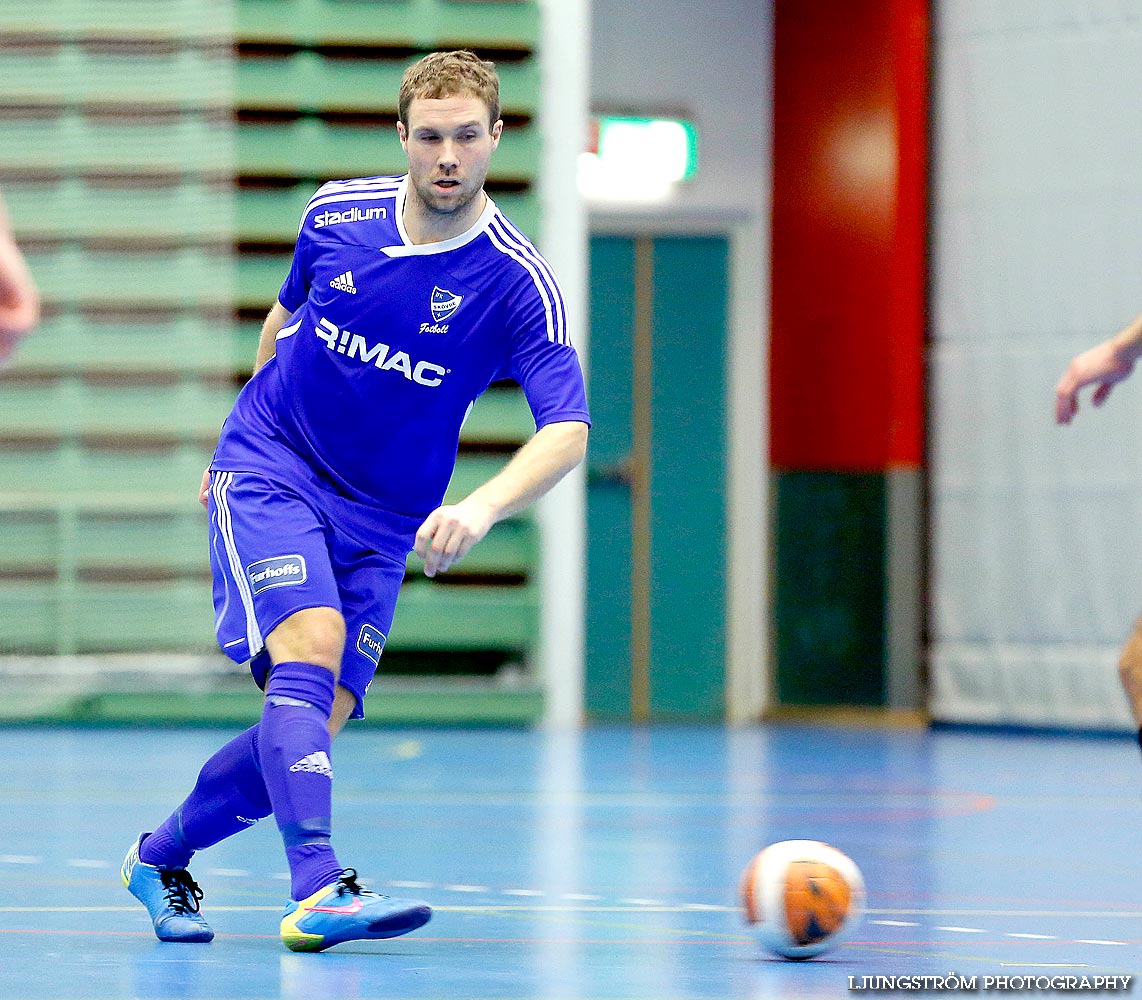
(1037, 211)
(562, 513)
(712, 64)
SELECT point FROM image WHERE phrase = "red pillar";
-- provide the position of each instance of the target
(849, 228)
(847, 341)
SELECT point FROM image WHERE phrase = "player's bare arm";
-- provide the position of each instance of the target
(271, 327)
(267, 339)
(450, 531)
(19, 299)
(1104, 366)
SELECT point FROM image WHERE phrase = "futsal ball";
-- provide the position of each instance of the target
(801, 897)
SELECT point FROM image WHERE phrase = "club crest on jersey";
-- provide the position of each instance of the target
(444, 303)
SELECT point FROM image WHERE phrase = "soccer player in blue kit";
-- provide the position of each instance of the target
(407, 297)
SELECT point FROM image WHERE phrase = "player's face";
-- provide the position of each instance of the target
(448, 142)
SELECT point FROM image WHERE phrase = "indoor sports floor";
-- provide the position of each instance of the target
(598, 866)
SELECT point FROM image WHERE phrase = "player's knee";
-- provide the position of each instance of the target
(314, 635)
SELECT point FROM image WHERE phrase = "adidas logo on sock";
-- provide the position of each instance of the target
(344, 283)
(315, 763)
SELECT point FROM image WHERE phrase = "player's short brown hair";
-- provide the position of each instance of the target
(450, 74)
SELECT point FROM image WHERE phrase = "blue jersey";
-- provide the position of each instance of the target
(388, 346)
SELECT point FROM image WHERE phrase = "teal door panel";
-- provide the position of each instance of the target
(608, 681)
(687, 611)
(678, 319)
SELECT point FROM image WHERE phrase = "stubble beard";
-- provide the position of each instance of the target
(429, 199)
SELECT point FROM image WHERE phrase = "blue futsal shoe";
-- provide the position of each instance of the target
(170, 896)
(343, 911)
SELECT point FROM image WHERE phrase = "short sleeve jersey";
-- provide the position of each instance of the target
(388, 345)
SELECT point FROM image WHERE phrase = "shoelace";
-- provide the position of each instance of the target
(347, 883)
(181, 891)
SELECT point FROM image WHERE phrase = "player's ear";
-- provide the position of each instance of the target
(402, 133)
(497, 131)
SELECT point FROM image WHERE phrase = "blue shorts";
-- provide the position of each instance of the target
(274, 552)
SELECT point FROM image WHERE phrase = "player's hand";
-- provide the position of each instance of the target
(449, 532)
(1100, 365)
(204, 489)
(19, 299)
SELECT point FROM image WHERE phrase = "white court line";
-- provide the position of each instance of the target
(1033, 937)
(87, 863)
(541, 909)
(895, 923)
(1044, 965)
(1010, 913)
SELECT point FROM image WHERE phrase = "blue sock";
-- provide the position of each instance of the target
(293, 749)
(229, 796)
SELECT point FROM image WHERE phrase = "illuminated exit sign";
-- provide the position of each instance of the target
(637, 159)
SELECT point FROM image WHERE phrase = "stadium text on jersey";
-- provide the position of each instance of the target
(354, 214)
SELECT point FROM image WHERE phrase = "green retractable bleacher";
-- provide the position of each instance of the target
(155, 159)
(116, 163)
(316, 85)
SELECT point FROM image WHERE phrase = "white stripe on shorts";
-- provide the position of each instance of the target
(219, 487)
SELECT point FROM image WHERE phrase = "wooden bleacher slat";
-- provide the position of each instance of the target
(394, 23)
(309, 147)
(312, 82)
(436, 616)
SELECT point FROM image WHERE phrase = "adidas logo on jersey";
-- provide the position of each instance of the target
(314, 763)
(344, 283)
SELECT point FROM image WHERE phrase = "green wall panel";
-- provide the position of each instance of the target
(829, 590)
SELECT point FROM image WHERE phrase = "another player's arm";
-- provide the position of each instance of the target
(272, 325)
(450, 531)
(19, 298)
(1107, 364)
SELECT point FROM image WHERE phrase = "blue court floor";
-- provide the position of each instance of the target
(597, 866)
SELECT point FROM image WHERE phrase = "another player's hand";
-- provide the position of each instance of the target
(1101, 365)
(204, 489)
(449, 532)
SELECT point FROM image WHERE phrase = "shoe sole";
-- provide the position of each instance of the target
(378, 930)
